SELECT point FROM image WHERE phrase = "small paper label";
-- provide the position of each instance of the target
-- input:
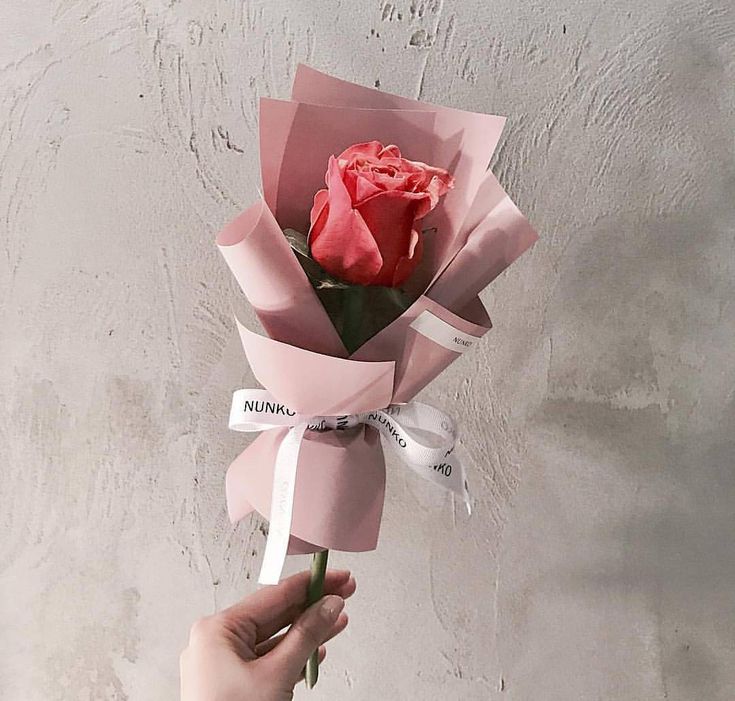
(439, 331)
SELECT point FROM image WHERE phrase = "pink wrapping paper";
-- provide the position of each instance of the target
(314, 384)
(479, 232)
(488, 248)
(466, 142)
(312, 133)
(342, 469)
(274, 283)
(418, 359)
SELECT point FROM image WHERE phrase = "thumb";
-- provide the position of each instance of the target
(307, 633)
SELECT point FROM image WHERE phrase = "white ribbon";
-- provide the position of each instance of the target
(423, 436)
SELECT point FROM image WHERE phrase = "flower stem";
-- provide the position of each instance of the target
(353, 303)
(315, 592)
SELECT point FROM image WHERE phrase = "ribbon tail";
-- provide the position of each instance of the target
(438, 464)
(284, 486)
(449, 475)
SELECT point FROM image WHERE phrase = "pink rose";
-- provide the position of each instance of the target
(363, 226)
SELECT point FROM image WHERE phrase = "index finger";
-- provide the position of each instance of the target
(272, 608)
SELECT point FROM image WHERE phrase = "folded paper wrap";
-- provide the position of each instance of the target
(338, 486)
(423, 437)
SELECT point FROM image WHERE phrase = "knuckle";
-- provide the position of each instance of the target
(308, 631)
(203, 629)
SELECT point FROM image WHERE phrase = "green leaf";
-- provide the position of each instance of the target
(298, 241)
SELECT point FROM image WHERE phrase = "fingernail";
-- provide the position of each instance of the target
(330, 607)
(342, 574)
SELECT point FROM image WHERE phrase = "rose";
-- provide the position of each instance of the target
(363, 224)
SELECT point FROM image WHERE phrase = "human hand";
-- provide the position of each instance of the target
(235, 655)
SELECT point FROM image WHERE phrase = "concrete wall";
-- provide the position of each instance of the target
(599, 563)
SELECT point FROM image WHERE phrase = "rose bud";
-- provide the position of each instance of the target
(363, 225)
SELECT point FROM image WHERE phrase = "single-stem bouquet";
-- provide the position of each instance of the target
(379, 226)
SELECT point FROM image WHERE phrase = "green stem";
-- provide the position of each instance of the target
(315, 592)
(352, 308)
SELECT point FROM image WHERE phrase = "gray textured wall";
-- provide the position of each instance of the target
(600, 561)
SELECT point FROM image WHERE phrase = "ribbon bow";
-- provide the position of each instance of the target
(423, 436)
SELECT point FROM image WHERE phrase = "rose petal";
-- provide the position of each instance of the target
(406, 265)
(421, 199)
(318, 211)
(364, 188)
(343, 245)
(349, 178)
(366, 149)
(390, 151)
(389, 217)
(386, 181)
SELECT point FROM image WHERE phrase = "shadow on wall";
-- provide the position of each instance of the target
(642, 371)
(669, 545)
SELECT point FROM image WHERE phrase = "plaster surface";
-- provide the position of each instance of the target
(600, 561)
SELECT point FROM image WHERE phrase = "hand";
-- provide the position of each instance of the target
(235, 655)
